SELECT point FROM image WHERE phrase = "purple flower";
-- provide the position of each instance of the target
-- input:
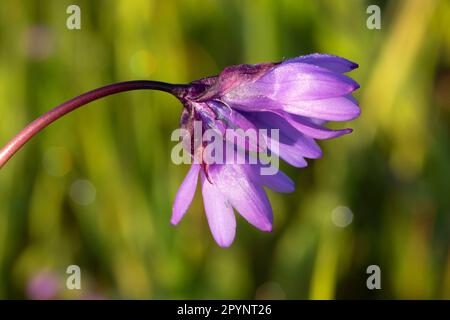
(297, 96)
(293, 98)
(43, 286)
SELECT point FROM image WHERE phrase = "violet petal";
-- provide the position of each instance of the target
(185, 194)
(248, 198)
(328, 61)
(289, 84)
(278, 182)
(311, 128)
(219, 213)
(333, 109)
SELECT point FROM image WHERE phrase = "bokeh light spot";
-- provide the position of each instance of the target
(270, 291)
(83, 192)
(341, 216)
(38, 43)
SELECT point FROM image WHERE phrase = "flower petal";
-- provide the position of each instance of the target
(327, 61)
(287, 84)
(248, 198)
(278, 182)
(289, 153)
(185, 194)
(219, 213)
(311, 128)
(243, 133)
(291, 145)
(333, 109)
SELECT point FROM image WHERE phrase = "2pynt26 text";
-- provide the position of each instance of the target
(251, 309)
(225, 309)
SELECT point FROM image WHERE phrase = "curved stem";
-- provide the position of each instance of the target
(47, 118)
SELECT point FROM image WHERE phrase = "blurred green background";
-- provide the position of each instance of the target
(96, 188)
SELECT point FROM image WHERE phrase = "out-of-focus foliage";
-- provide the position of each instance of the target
(96, 188)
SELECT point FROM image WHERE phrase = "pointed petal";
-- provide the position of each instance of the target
(289, 153)
(219, 213)
(288, 84)
(185, 194)
(278, 182)
(334, 109)
(327, 61)
(301, 81)
(291, 145)
(248, 198)
(243, 133)
(311, 128)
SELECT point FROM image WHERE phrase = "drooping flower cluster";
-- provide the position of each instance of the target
(297, 96)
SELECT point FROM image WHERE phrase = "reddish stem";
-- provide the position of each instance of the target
(47, 118)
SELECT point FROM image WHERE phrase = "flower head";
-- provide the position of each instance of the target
(296, 96)
(292, 99)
